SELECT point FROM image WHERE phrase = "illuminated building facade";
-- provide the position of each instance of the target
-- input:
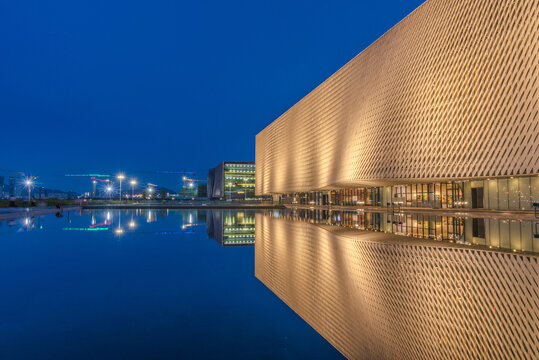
(441, 111)
(232, 180)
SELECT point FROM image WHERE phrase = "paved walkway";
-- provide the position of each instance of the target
(21, 212)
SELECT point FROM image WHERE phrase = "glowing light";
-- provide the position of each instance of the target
(109, 188)
(120, 176)
(132, 224)
(119, 231)
(28, 182)
(133, 182)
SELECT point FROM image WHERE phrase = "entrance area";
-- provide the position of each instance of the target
(477, 198)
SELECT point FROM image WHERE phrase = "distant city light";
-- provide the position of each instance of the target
(109, 188)
(133, 182)
(132, 224)
(119, 231)
(28, 182)
(120, 176)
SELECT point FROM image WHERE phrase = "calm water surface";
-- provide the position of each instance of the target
(294, 284)
(140, 285)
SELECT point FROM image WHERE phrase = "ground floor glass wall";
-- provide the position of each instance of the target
(517, 193)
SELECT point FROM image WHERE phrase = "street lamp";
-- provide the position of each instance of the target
(28, 183)
(150, 191)
(120, 177)
(133, 183)
(109, 190)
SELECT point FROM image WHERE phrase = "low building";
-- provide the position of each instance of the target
(232, 180)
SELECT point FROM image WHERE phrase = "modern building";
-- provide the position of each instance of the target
(231, 227)
(11, 188)
(441, 111)
(232, 180)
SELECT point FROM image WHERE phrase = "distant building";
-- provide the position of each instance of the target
(1, 186)
(232, 180)
(231, 227)
(11, 186)
(189, 190)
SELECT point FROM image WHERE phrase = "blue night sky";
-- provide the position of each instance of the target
(101, 86)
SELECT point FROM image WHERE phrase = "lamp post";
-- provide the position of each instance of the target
(109, 190)
(121, 177)
(28, 182)
(150, 191)
(133, 183)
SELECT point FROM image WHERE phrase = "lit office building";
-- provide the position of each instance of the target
(232, 181)
(441, 111)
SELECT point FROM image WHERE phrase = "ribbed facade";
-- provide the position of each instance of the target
(380, 296)
(451, 92)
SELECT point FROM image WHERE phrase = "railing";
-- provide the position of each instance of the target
(535, 209)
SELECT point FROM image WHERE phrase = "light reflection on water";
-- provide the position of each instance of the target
(374, 295)
(140, 285)
(515, 235)
(375, 285)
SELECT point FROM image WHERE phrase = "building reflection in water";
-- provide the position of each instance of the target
(231, 227)
(506, 234)
(374, 295)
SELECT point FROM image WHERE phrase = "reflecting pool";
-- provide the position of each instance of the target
(270, 284)
(139, 285)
